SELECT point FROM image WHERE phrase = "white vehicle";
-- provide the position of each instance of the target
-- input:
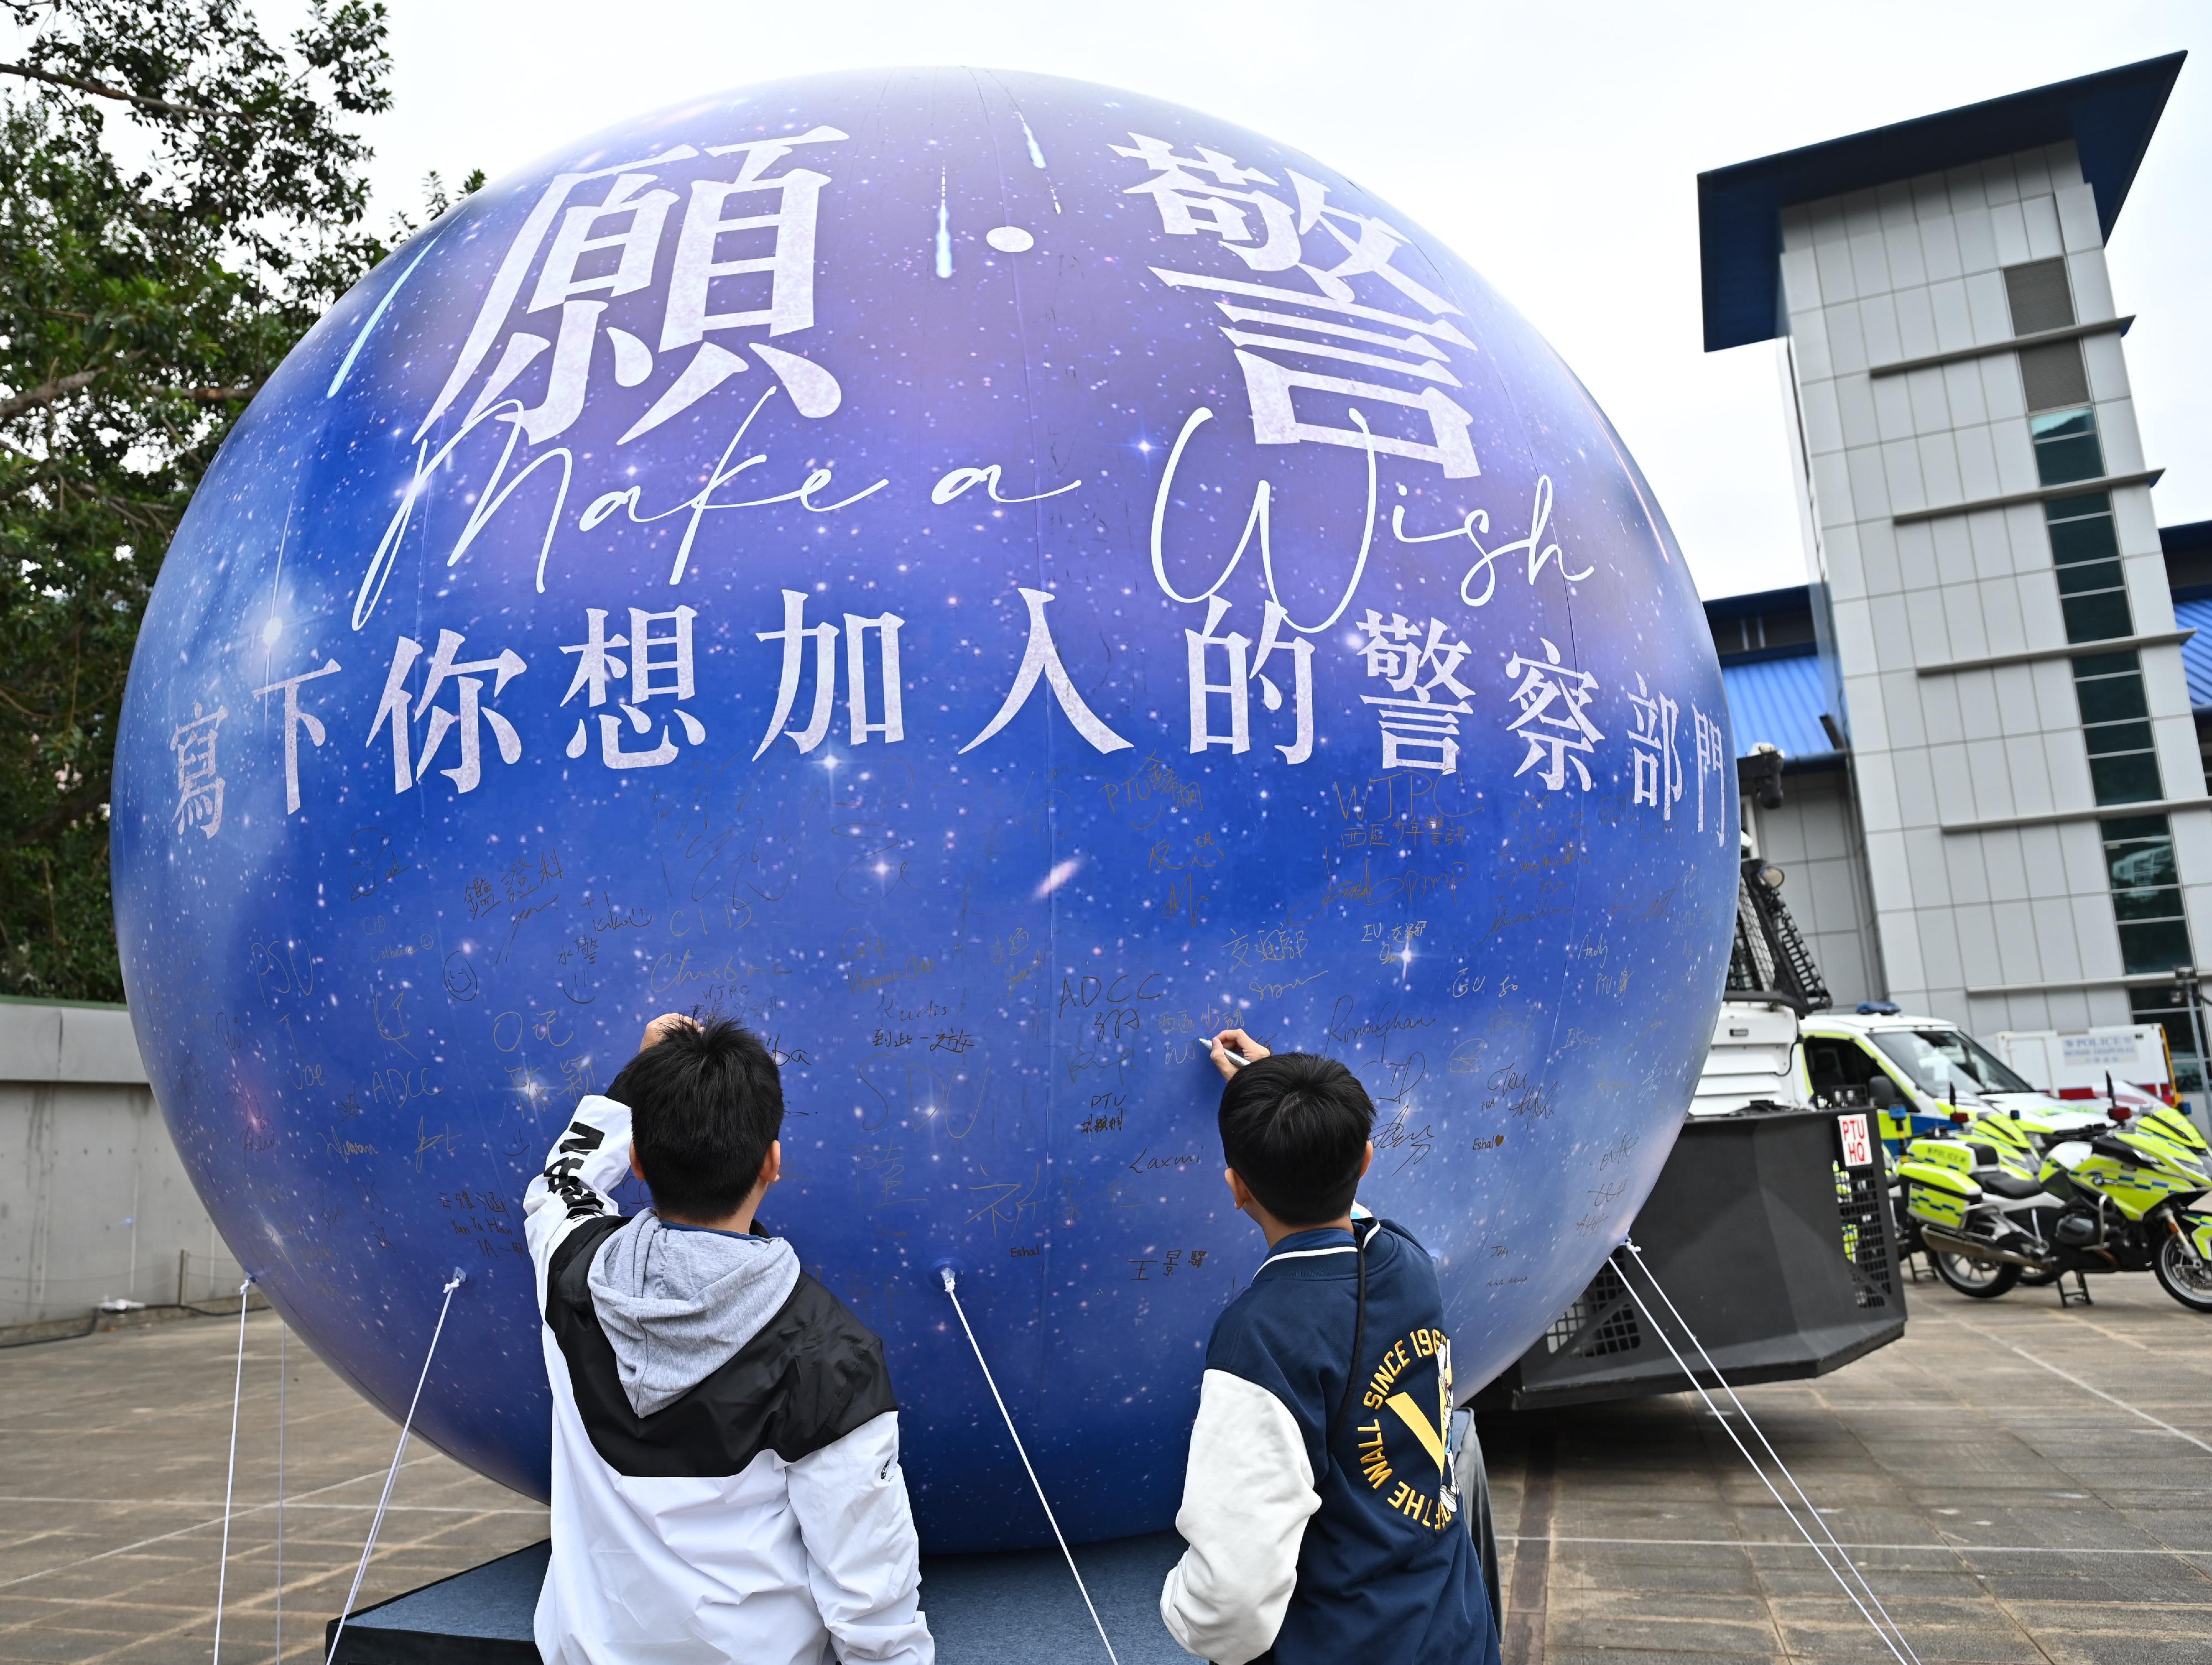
(1932, 1068)
(1754, 1059)
(2130, 1061)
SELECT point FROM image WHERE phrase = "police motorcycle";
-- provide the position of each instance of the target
(2002, 1157)
(1997, 1201)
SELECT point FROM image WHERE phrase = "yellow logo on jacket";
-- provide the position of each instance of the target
(1388, 1392)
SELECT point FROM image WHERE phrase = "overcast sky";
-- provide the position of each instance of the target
(1556, 147)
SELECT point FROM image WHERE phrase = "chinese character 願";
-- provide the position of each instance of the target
(745, 237)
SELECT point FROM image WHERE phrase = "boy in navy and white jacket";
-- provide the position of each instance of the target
(1320, 1507)
(726, 1474)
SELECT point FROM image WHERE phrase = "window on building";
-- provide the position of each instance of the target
(1787, 630)
(2097, 617)
(1751, 633)
(2086, 551)
(2169, 1007)
(2066, 448)
(2053, 375)
(2116, 728)
(2145, 894)
(2040, 296)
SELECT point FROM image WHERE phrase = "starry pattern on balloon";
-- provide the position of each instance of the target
(987, 580)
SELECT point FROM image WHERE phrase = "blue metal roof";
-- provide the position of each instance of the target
(2197, 652)
(1779, 702)
(2110, 116)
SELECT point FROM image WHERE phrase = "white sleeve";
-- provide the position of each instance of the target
(1246, 1497)
(863, 1562)
(587, 1162)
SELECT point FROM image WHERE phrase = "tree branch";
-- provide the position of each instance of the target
(100, 89)
(45, 393)
(59, 386)
(85, 799)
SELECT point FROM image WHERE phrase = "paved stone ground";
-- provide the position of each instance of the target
(112, 1459)
(2003, 1511)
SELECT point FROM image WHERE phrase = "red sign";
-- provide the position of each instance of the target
(1858, 1148)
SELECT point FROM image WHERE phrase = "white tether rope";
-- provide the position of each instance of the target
(230, 1475)
(947, 1274)
(284, 1340)
(405, 1429)
(1885, 1628)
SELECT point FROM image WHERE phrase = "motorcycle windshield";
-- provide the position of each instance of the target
(1942, 1062)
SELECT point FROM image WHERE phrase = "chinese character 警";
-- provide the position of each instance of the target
(1658, 780)
(1206, 195)
(1419, 729)
(659, 665)
(392, 710)
(890, 689)
(1554, 719)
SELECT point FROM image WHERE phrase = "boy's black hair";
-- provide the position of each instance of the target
(1295, 1127)
(705, 1103)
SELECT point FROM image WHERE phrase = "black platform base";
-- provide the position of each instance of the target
(1784, 1263)
(983, 1610)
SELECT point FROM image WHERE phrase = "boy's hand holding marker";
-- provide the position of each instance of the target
(1232, 1049)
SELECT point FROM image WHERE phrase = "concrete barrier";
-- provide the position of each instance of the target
(95, 1205)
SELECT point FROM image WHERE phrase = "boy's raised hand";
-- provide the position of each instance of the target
(664, 1026)
(1232, 1049)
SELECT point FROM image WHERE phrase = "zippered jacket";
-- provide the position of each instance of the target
(726, 1474)
(1308, 1547)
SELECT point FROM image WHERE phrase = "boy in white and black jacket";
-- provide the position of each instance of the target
(726, 1474)
(1320, 1507)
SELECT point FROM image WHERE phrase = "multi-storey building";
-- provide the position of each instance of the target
(2013, 829)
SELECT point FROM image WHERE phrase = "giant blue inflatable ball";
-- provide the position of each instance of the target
(985, 578)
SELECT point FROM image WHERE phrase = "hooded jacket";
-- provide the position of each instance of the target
(726, 1476)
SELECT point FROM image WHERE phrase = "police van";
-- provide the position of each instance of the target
(1914, 1072)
